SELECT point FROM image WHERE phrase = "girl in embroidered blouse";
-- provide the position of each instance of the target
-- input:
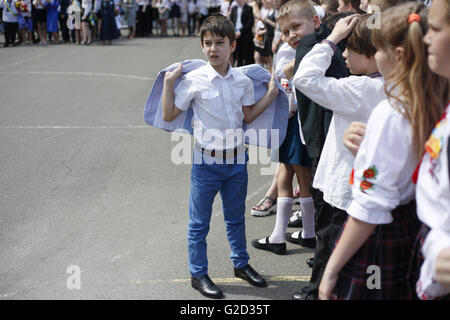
(382, 224)
(431, 257)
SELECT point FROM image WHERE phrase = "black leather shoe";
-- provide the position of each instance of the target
(206, 287)
(298, 223)
(310, 262)
(308, 242)
(277, 248)
(303, 294)
(249, 274)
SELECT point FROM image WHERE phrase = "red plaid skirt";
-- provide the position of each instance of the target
(389, 248)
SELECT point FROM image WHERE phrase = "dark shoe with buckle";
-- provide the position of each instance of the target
(249, 274)
(310, 262)
(277, 248)
(206, 287)
(307, 243)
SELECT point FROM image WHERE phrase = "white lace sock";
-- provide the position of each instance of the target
(308, 217)
(284, 211)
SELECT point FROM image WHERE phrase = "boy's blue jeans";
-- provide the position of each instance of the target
(206, 180)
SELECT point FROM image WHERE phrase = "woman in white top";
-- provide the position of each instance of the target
(86, 6)
(41, 20)
(432, 254)
(371, 257)
(164, 10)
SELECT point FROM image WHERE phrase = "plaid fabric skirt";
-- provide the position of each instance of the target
(389, 248)
(417, 260)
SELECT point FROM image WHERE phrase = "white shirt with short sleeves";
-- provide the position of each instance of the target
(217, 105)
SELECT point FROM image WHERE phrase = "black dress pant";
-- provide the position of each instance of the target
(144, 25)
(244, 51)
(11, 29)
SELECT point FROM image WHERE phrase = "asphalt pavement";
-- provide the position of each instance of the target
(91, 205)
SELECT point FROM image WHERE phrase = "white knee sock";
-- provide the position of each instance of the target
(308, 217)
(284, 211)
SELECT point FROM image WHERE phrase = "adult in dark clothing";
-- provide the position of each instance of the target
(315, 121)
(242, 17)
(63, 16)
(108, 29)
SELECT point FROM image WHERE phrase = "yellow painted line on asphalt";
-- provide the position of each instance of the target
(229, 280)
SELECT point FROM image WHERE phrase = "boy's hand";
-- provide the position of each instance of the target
(353, 136)
(173, 75)
(289, 70)
(272, 88)
(343, 28)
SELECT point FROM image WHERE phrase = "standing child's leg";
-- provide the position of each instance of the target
(204, 187)
(276, 243)
(307, 206)
(234, 193)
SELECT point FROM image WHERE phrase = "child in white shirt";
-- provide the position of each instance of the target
(221, 98)
(382, 223)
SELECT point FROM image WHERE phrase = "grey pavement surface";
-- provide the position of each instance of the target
(85, 182)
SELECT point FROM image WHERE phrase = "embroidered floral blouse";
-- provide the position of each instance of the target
(433, 204)
(383, 167)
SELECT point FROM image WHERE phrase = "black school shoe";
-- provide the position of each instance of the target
(310, 262)
(249, 274)
(307, 243)
(277, 248)
(206, 287)
(297, 223)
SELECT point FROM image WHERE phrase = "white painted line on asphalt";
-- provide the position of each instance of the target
(229, 280)
(86, 74)
(23, 61)
(76, 127)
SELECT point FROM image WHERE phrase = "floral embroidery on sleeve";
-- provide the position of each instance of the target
(370, 173)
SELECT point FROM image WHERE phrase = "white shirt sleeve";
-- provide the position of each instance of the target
(248, 98)
(284, 55)
(184, 94)
(383, 166)
(344, 95)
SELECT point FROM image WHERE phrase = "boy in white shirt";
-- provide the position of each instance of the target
(9, 17)
(351, 99)
(221, 98)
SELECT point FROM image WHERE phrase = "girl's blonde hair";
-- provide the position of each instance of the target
(411, 87)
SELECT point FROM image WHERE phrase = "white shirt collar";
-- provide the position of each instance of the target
(212, 73)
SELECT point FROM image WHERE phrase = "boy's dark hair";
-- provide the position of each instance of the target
(355, 4)
(331, 21)
(219, 25)
(359, 39)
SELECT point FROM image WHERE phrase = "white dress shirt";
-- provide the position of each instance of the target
(433, 205)
(239, 25)
(217, 105)
(9, 16)
(351, 99)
